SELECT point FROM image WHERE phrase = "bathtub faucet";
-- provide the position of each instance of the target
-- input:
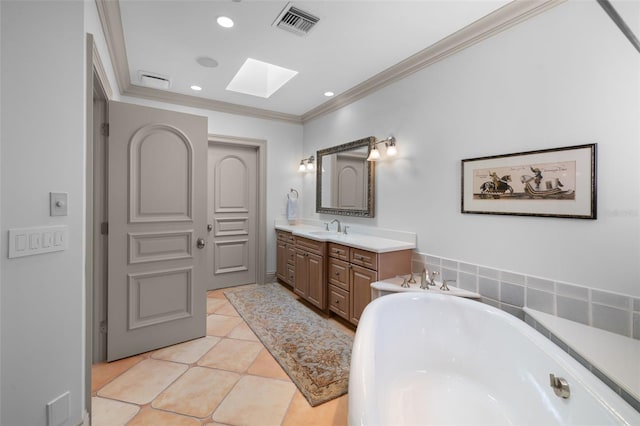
(434, 274)
(444, 286)
(424, 284)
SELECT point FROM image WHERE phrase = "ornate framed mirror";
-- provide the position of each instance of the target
(345, 180)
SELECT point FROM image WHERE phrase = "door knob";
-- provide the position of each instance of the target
(200, 243)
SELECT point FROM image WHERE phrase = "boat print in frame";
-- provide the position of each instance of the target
(557, 182)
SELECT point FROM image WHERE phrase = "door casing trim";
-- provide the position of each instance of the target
(96, 83)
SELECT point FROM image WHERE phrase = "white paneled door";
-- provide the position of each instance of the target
(233, 193)
(157, 205)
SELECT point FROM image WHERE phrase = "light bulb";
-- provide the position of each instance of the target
(309, 166)
(225, 21)
(392, 150)
(374, 154)
(302, 168)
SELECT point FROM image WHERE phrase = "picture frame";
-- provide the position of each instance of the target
(555, 182)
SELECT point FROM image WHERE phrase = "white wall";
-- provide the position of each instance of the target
(563, 78)
(42, 141)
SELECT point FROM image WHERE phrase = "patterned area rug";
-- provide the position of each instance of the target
(314, 353)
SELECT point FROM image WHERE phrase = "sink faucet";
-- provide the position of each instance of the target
(424, 284)
(339, 226)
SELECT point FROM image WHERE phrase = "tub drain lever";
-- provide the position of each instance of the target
(560, 386)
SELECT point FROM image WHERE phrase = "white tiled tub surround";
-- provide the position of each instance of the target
(511, 292)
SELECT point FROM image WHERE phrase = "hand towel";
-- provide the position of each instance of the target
(292, 208)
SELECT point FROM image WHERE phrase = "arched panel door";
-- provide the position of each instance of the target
(157, 215)
(350, 191)
(233, 211)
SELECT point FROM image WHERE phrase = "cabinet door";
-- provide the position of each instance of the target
(316, 288)
(281, 261)
(360, 290)
(301, 281)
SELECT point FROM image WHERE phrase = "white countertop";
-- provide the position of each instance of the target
(361, 241)
(393, 285)
(618, 357)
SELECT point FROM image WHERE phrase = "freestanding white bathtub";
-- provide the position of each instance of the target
(429, 359)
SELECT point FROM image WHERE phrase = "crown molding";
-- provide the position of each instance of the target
(109, 13)
(210, 104)
(500, 20)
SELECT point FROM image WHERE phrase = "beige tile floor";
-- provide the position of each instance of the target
(225, 378)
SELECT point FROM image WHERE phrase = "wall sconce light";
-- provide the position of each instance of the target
(390, 145)
(306, 164)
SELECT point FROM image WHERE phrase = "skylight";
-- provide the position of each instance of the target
(259, 78)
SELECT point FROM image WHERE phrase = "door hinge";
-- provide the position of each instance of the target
(103, 327)
(104, 228)
(104, 130)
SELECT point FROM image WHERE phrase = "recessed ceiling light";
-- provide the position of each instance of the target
(206, 61)
(259, 78)
(329, 94)
(196, 88)
(225, 21)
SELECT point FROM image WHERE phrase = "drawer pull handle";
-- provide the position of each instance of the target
(337, 274)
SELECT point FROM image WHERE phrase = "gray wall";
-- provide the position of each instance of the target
(43, 143)
(565, 77)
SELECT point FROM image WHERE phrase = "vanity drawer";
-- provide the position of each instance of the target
(339, 251)
(291, 274)
(339, 273)
(339, 301)
(285, 236)
(291, 254)
(317, 247)
(364, 258)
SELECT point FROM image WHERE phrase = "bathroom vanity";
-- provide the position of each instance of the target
(333, 271)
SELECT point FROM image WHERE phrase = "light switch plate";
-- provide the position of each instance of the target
(58, 203)
(30, 241)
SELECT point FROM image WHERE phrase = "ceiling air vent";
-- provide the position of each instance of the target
(154, 80)
(296, 20)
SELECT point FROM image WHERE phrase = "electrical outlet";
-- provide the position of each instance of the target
(58, 410)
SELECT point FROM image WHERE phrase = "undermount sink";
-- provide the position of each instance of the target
(325, 233)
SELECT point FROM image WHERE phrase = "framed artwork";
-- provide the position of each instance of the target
(557, 182)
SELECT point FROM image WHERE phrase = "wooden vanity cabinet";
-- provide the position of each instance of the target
(350, 274)
(285, 257)
(309, 282)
